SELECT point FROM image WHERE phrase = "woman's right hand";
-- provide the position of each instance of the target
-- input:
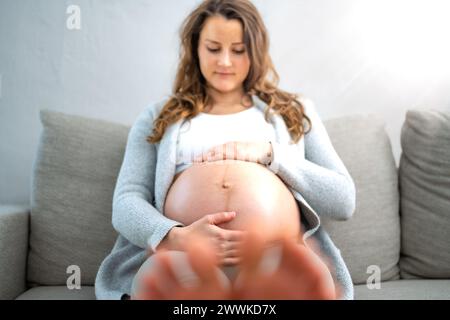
(226, 242)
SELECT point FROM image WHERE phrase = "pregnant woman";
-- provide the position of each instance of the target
(227, 153)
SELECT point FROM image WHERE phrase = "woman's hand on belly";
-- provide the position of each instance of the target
(226, 242)
(258, 152)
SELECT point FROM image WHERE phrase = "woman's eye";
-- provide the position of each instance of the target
(235, 51)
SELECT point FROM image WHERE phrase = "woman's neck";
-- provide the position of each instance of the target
(222, 100)
(228, 102)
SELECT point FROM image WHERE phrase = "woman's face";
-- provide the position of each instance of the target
(224, 60)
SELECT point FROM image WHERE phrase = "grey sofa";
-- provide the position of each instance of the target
(397, 244)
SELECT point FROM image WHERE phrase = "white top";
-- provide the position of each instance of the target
(206, 130)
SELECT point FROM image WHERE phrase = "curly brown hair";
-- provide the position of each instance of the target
(189, 91)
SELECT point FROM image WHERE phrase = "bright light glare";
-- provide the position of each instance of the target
(410, 38)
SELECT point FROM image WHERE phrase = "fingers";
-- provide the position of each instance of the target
(220, 217)
(152, 292)
(230, 246)
(216, 153)
(232, 147)
(229, 235)
(248, 155)
(205, 267)
(225, 243)
(162, 286)
(228, 249)
(233, 253)
(295, 255)
(167, 274)
(230, 258)
(229, 242)
(235, 235)
(252, 251)
(300, 259)
(228, 252)
(231, 261)
(236, 150)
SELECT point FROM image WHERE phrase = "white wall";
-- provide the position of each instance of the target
(349, 56)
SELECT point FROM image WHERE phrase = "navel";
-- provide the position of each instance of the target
(226, 185)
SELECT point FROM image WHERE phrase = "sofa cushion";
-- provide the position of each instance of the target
(372, 235)
(13, 249)
(425, 194)
(74, 175)
(58, 293)
(406, 290)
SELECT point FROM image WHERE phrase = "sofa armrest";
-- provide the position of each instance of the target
(14, 221)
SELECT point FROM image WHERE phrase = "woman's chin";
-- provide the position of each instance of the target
(225, 88)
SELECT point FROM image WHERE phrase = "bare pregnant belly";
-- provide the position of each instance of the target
(255, 193)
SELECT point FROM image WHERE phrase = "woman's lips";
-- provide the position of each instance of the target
(224, 74)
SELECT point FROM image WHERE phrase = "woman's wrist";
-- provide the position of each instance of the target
(171, 240)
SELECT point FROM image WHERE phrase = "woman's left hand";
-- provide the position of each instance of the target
(259, 152)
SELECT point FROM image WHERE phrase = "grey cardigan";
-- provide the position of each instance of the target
(311, 169)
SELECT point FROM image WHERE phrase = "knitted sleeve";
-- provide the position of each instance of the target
(320, 176)
(133, 214)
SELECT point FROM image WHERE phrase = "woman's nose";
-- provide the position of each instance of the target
(224, 59)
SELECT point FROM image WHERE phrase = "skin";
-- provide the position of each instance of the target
(221, 50)
(301, 274)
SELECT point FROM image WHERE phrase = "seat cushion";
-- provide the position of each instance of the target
(74, 176)
(58, 293)
(424, 289)
(372, 235)
(425, 194)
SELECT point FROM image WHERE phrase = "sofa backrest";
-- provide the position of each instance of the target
(425, 194)
(370, 240)
(74, 175)
(78, 161)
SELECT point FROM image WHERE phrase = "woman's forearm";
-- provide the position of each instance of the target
(171, 240)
